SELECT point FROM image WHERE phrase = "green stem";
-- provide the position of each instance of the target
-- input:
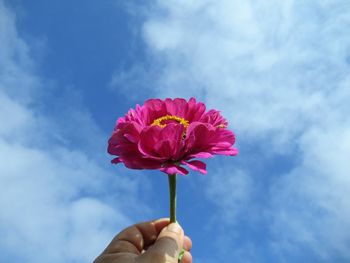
(172, 191)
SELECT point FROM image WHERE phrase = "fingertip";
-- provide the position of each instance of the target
(160, 223)
(173, 231)
(166, 219)
(187, 258)
(176, 228)
(141, 235)
(168, 244)
(187, 245)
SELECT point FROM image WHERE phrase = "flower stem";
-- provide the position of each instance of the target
(172, 191)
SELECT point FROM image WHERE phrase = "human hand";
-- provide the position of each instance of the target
(149, 242)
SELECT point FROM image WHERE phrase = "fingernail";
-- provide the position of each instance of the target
(174, 227)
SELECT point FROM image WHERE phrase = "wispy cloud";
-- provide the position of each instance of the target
(55, 196)
(280, 72)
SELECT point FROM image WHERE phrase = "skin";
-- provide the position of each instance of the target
(155, 241)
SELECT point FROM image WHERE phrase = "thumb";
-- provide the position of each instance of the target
(167, 246)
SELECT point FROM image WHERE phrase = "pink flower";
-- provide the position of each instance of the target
(166, 134)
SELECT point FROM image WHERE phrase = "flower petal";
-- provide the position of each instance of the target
(195, 110)
(214, 118)
(204, 155)
(203, 140)
(230, 151)
(155, 109)
(174, 169)
(196, 166)
(148, 138)
(116, 161)
(165, 148)
(161, 143)
(177, 107)
(138, 162)
(197, 137)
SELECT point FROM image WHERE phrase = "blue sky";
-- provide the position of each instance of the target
(278, 70)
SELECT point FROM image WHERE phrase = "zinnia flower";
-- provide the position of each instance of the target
(168, 134)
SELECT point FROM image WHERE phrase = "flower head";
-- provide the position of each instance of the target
(167, 134)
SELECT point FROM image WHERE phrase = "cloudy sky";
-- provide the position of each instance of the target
(278, 70)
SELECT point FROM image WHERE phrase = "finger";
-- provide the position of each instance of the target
(114, 258)
(167, 246)
(137, 237)
(187, 258)
(187, 243)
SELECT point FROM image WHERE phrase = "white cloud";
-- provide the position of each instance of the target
(313, 200)
(269, 47)
(58, 203)
(279, 70)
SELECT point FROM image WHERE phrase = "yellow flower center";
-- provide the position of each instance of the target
(223, 126)
(159, 121)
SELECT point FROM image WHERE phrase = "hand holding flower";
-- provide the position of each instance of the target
(149, 242)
